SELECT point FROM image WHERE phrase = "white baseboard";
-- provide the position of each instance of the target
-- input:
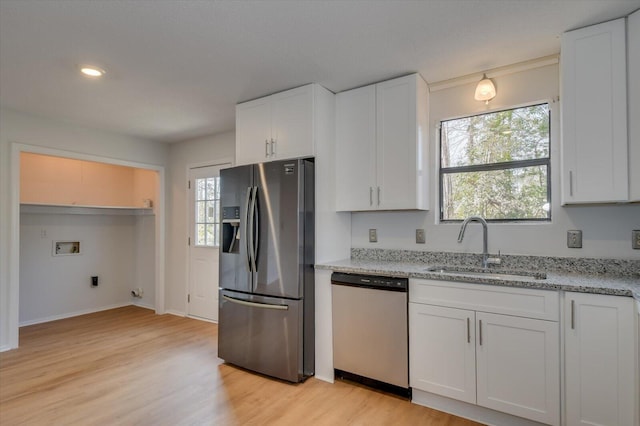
(325, 379)
(143, 305)
(202, 319)
(468, 411)
(176, 313)
(73, 314)
(6, 348)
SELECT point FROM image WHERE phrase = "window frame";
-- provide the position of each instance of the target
(496, 166)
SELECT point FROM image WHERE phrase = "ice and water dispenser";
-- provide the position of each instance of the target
(230, 229)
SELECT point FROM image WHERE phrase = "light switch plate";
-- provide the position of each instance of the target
(635, 239)
(574, 238)
(420, 236)
(373, 235)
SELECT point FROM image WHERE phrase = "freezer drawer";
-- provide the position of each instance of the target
(263, 334)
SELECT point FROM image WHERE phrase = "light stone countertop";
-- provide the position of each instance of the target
(579, 282)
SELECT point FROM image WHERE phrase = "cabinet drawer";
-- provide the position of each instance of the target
(522, 302)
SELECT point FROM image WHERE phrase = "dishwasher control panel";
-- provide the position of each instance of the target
(370, 281)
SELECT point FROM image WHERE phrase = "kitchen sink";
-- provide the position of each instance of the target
(487, 273)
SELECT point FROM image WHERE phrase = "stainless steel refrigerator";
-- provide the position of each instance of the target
(266, 299)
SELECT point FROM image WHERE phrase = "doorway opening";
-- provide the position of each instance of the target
(130, 229)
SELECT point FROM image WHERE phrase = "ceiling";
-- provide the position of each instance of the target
(176, 69)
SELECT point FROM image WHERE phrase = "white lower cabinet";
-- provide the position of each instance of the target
(507, 363)
(518, 366)
(600, 360)
(442, 353)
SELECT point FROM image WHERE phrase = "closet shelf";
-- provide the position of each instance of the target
(44, 208)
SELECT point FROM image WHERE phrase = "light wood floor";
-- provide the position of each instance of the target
(128, 366)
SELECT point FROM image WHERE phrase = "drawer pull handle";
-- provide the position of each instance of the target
(468, 330)
(480, 331)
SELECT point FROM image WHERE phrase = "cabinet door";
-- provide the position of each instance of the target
(633, 81)
(594, 114)
(518, 364)
(599, 360)
(355, 149)
(253, 131)
(442, 351)
(293, 123)
(399, 149)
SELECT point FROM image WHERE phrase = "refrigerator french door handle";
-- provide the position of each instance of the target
(256, 236)
(255, 305)
(248, 228)
(254, 228)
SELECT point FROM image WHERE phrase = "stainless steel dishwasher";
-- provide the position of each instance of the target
(370, 330)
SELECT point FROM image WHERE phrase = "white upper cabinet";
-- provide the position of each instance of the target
(279, 126)
(253, 131)
(382, 146)
(594, 114)
(633, 82)
(355, 148)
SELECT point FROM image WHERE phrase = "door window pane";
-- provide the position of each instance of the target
(207, 206)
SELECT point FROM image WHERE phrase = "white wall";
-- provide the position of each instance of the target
(606, 229)
(53, 287)
(26, 129)
(197, 152)
(144, 257)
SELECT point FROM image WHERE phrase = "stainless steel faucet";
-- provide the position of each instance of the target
(485, 252)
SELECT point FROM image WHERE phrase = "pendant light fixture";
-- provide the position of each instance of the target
(485, 90)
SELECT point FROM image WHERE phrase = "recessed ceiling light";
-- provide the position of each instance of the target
(91, 71)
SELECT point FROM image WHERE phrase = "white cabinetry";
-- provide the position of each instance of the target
(600, 360)
(594, 114)
(518, 366)
(382, 146)
(279, 126)
(442, 355)
(479, 355)
(356, 149)
(633, 82)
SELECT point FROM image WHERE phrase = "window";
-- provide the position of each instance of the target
(496, 165)
(207, 199)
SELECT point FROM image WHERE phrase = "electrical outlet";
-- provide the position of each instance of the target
(574, 238)
(373, 235)
(635, 239)
(420, 236)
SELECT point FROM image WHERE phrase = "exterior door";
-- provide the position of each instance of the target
(204, 233)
